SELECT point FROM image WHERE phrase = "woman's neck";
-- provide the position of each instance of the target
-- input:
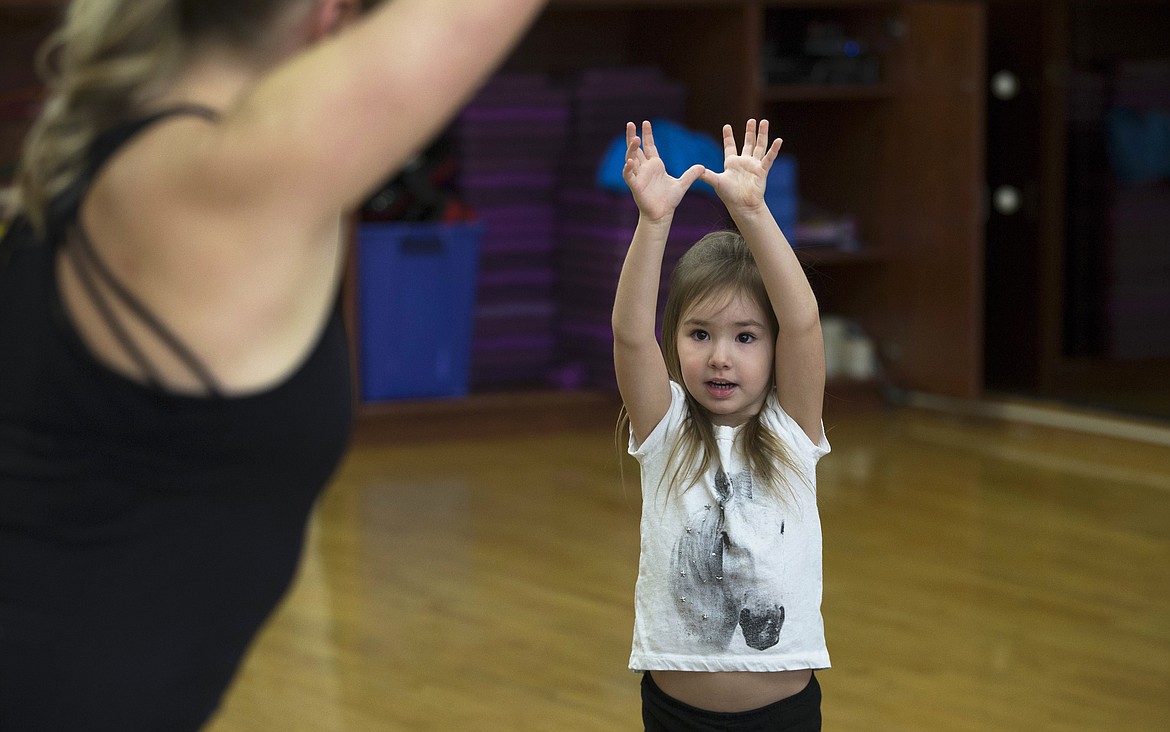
(213, 79)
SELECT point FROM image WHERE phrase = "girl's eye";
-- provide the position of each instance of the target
(700, 335)
(745, 337)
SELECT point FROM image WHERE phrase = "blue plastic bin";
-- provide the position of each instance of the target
(416, 296)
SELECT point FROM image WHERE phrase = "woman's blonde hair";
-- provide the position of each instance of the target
(105, 63)
(719, 266)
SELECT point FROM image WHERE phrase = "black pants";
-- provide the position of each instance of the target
(800, 712)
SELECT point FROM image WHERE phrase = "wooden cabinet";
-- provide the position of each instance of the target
(1083, 259)
(907, 161)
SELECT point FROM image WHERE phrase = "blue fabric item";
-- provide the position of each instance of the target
(679, 147)
(782, 176)
(1138, 144)
(781, 195)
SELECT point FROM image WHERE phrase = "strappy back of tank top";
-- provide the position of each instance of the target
(91, 268)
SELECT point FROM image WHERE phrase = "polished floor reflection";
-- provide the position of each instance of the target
(978, 576)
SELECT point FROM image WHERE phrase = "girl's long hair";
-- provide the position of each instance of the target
(718, 267)
(105, 63)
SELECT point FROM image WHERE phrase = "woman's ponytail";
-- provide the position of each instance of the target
(107, 59)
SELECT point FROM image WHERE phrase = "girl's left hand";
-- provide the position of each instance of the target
(745, 173)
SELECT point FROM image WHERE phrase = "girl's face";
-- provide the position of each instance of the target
(727, 352)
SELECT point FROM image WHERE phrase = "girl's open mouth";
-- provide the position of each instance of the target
(720, 388)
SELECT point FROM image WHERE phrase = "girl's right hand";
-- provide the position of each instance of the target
(745, 173)
(656, 192)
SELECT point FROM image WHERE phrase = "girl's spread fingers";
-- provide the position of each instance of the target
(633, 154)
(749, 135)
(648, 136)
(631, 134)
(772, 154)
(728, 141)
(762, 138)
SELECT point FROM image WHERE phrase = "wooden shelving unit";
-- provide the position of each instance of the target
(903, 156)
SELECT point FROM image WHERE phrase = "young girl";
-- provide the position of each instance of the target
(725, 422)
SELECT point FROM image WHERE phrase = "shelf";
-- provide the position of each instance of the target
(480, 416)
(830, 256)
(476, 415)
(826, 92)
(844, 397)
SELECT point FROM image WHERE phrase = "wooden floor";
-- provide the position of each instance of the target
(978, 576)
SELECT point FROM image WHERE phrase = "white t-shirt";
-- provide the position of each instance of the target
(729, 577)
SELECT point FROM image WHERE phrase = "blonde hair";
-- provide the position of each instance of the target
(106, 62)
(720, 265)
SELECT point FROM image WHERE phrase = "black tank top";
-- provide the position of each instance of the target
(145, 536)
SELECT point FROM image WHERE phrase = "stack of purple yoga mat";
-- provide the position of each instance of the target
(511, 137)
(594, 234)
(595, 226)
(603, 100)
(553, 243)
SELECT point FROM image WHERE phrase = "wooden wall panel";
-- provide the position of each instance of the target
(930, 202)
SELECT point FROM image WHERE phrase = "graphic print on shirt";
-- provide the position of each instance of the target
(726, 568)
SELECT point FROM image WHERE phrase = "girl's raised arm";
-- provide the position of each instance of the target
(800, 347)
(641, 372)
